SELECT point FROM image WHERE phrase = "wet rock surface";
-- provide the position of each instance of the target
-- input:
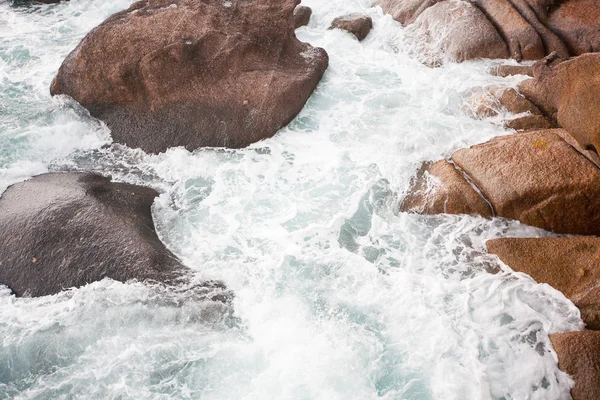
(236, 73)
(357, 24)
(63, 230)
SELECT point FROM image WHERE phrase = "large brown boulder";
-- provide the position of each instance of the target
(535, 177)
(357, 24)
(440, 188)
(568, 92)
(577, 22)
(579, 356)
(456, 30)
(193, 73)
(63, 230)
(570, 265)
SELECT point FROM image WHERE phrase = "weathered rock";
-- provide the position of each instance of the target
(357, 24)
(534, 177)
(302, 16)
(522, 39)
(63, 230)
(440, 188)
(405, 11)
(492, 100)
(456, 30)
(537, 178)
(528, 123)
(570, 265)
(577, 22)
(579, 356)
(193, 73)
(509, 70)
(568, 93)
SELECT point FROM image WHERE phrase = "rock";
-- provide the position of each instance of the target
(522, 39)
(440, 188)
(492, 100)
(63, 230)
(568, 92)
(579, 356)
(528, 123)
(509, 70)
(405, 11)
(302, 16)
(570, 265)
(456, 30)
(193, 73)
(577, 23)
(357, 24)
(536, 178)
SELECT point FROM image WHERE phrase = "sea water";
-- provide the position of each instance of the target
(337, 294)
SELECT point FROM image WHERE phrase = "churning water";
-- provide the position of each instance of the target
(338, 296)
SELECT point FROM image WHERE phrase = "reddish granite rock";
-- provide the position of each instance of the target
(193, 73)
(579, 356)
(528, 123)
(570, 265)
(405, 11)
(357, 24)
(440, 188)
(577, 22)
(537, 178)
(509, 70)
(568, 91)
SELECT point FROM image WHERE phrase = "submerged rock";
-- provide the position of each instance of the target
(568, 91)
(570, 265)
(535, 177)
(579, 356)
(193, 73)
(357, 24)
(302, 16)
(63, 230)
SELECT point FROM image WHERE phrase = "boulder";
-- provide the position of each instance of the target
(492, 100)
(567, 91)
(302, 16)
(193, 73)
(456, 30)
(535, 177)
(577, 23)
(440, 188)
(570, 265)
(63, 230)
(357, 24)
(524, 43)
(509, 70)
(579, 356)
(528, 123)
(405, 11)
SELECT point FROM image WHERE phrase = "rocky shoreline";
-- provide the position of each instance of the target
(234, 73)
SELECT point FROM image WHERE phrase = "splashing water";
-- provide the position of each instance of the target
(338, 296)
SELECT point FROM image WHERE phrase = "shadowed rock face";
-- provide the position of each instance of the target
(63, 230)
(193, 73)
(570, 265)
(302, 16)
(578, 356)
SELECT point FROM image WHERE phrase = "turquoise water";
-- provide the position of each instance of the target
(338, 296)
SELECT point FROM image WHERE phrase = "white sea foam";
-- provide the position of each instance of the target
(337, 295)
